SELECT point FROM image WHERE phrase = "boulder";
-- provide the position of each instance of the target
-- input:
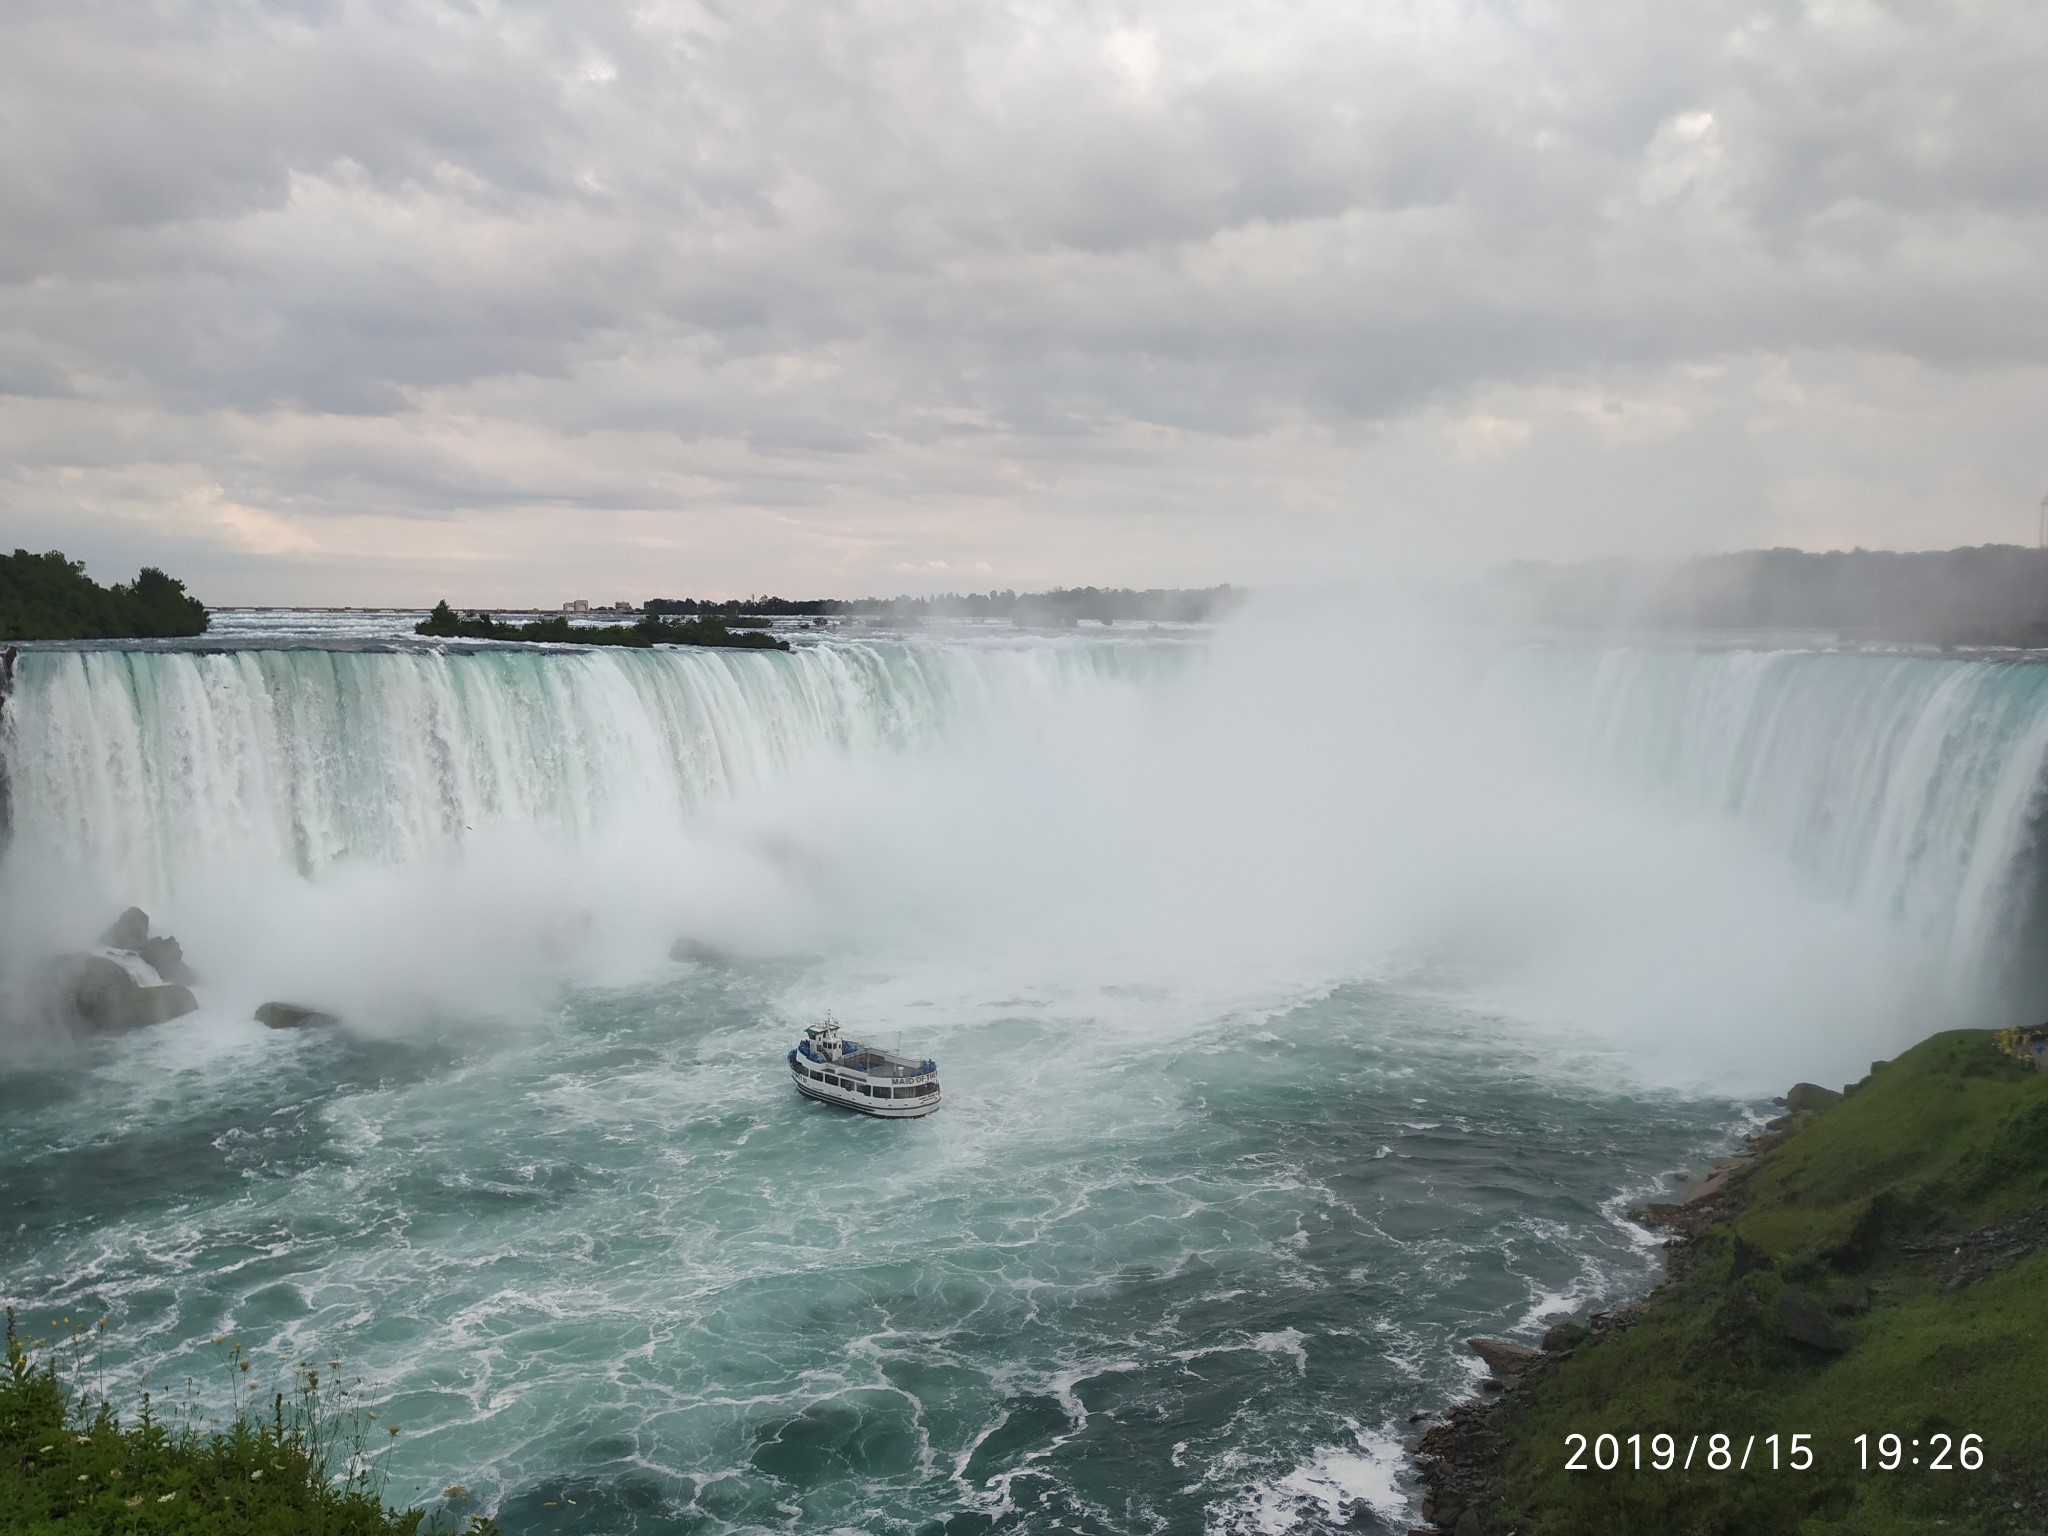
(293, 1016)
(167, 958)
(1564, 1336)
(1810, 1096)
(99, 995)
(93, 992)
(1504, 1359)
(130, 931)
(159, 1005)
(1803, 1322)
(1847, 1296)
(1747, 1259)
(696, 949)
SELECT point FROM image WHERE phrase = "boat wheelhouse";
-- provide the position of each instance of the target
(862, 1077)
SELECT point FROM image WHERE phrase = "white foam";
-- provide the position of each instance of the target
(1325, 1487)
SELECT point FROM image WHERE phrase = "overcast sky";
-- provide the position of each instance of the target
(346, 302)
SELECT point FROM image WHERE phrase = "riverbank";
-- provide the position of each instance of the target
(1876, 1265)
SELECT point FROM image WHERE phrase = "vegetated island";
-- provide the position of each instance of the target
(1874, 1266)
(49, 597)
(445, 622)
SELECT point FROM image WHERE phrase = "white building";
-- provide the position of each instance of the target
(579, 605)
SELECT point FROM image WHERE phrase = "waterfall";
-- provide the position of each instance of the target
(1903, 786)
(1300, 786)
(137, 763)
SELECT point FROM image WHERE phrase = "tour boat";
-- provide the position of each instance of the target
(863, 1077)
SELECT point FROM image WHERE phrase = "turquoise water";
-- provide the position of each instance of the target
(1127, 1280)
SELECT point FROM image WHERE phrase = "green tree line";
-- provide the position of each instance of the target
(445, 623)
(49, 597)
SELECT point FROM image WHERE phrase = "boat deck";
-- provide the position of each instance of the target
(880, 1064)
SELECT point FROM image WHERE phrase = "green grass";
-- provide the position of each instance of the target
(1948, 1137)
(299, 1466)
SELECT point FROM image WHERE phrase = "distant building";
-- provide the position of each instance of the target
(579, 605)
(622, 606)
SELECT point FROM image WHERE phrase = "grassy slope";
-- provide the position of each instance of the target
(1948, 1137)
(71, 1468)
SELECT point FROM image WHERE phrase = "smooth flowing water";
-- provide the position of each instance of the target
(1301, 1012)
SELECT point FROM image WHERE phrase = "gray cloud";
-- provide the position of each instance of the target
(332, 262)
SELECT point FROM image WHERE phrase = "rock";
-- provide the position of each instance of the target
(159, 1005)
(1877, 1067)
(1805, 1323)
(99, 995)
(93, 992)
(1748, 1259)
(1503, 1359)
(1714, 1182)
(130, 931)
(293, 1016)
(1564, 1336)
(696, 949)
(1846, 1296)
(167, 958)
(1810, 1096)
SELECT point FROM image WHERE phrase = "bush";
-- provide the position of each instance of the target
(300, 1466)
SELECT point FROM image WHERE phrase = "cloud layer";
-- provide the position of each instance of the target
(353, 302)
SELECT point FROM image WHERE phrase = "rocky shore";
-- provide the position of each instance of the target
(1875, 1262)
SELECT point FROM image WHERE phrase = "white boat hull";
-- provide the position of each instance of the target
(829, 1085)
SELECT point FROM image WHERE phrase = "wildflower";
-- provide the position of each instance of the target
(391, 1429)
(85, 1477)
(256, 1476)
(167, 1497)
(132, 1503)
(46, 1448)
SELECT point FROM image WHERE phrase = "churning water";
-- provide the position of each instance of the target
(1304, 1005)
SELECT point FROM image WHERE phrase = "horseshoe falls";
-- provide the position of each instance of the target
(1306, 1000)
